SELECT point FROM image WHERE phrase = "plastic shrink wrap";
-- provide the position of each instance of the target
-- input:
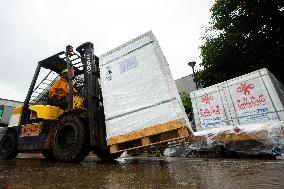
(247, 139)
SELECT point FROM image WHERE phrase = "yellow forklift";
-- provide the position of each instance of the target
(61, 134)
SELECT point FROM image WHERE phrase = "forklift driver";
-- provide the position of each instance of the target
(60, 89)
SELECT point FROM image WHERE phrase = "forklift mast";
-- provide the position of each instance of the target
(93, 97)
(69, 49)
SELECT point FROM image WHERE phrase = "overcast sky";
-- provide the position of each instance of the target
(31, 30)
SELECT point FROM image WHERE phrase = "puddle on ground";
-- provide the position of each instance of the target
(36, 172)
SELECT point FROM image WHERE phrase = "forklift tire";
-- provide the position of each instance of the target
(70, 140)
(8, 145)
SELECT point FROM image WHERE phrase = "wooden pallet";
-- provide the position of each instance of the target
(156, 135)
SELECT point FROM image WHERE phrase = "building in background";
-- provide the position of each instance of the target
(186, 84)
(6, 107)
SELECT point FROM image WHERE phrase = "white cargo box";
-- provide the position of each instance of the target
(138, 89)
(209, 107)
(256, 97)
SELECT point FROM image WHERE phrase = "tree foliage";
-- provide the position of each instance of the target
(244, 35)
(185, 98)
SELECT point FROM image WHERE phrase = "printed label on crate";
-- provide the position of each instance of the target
(108, 73)
(258, 118)
(210, 111)
(128, 64)
(251, 101)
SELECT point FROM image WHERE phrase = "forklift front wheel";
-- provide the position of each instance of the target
(70, 141)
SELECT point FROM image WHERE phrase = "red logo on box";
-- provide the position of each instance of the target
(245, 88)
(206, 98)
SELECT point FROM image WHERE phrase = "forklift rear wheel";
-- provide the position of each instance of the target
(8, 146)
(70, 141)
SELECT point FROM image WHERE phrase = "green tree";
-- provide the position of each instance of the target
(244, 35)
(185, 98)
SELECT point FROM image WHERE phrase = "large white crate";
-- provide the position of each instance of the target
(209, 107)
(256, 97)
(138, 88)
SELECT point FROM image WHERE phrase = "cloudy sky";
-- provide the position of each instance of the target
(32, 30)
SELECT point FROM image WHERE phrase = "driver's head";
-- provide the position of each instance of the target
(64, 74)
(70, 50)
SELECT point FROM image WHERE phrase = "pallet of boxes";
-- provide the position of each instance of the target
(141, 101)
(244, 114)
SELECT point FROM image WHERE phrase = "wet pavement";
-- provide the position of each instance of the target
(36, 172)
